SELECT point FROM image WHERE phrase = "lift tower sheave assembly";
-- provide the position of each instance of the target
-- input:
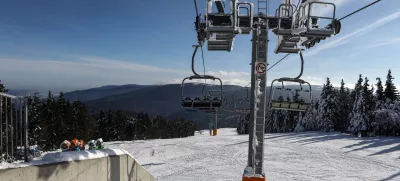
(294, 26)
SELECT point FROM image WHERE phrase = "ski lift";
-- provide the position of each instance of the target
(291, 104)
(232, 106)
(225, 25)
(305, 24)
(222, 22)
(286, 42)
(205, 101)
(239, 104)
(284, 14)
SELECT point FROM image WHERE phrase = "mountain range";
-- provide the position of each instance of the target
(165, 100)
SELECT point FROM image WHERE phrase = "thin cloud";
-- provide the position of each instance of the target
(227, 77)
(88, 72)
(116, 64)
(343, 40)
(379, 43)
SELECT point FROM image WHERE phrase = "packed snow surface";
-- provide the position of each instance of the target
(288, 156)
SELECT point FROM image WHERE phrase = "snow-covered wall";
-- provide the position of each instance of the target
(96, 165)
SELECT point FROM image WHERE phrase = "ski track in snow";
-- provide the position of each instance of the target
(288, 156)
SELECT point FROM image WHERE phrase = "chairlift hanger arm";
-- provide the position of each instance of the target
(202, 77)
(193, 56)
(220, 7)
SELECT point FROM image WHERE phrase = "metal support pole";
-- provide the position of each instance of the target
(7, 156)
(215, 131)
(21, 107)
(26, 132)
(250, 160)
(11, 128)
(258, 100)
(1, 127)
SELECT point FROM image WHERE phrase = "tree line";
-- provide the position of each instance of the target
(55, 118)
(361, 110)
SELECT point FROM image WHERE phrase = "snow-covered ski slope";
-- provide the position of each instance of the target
(288, 156)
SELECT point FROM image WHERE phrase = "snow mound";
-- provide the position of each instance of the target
(81, 155)
(56, 157)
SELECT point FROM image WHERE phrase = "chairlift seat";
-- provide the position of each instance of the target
(223, 36)
(285, 104)
(187, 102)
(313, 32)
(219, 45)
(244, 21)
(304, 106)
(287, 44)
(206, 102)
(307, 26)
(281, 31)
(218, 19)
(219, 23)
(294, 105)
(242, 110)
(245, 24)
(207, 108)
(275, 104)
(290, 106)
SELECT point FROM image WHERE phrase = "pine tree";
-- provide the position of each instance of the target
(369, 102)
(3, 88)
(48, 140)
(35, 131)
(390, 92)
(359, 116)
(301, 123)
(243, 124)
(61, 121)
(130, 128)
(379, 90)
(278, 117)
(327, 108)
(102, 124)
(344, 108)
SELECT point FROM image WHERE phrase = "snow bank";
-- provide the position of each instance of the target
(55, 157)
(81, 155)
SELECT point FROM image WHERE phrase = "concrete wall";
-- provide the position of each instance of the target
(112, 168)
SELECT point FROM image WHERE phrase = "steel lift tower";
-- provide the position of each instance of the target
(293, 25)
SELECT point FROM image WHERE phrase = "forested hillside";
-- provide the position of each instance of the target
(361, 110)
(55, 119)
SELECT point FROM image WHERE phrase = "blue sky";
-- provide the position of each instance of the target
(67, 45)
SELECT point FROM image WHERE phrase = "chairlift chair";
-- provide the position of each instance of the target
(284, 12)
(203, 101)
(304, 29)
(226, 25)
(241, 101)
(289, 105)
(305, 24)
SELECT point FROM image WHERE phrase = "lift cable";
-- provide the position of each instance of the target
(278, 61)
(339, 20)
(360, 9)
